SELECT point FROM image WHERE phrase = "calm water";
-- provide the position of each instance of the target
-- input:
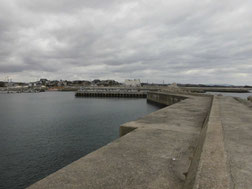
(241, 95)
(41, 133)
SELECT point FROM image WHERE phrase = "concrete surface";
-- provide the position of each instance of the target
(243, 101)
(249, 98)
(236, 119)
(164, 99)
(213, 171)
(226, 158)
(157, 154)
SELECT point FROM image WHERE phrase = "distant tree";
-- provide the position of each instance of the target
(2, 84)
(247, 86)
(96, 81)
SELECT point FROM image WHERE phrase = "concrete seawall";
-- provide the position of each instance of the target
(112, 94)
(181, 146)
(164, 99)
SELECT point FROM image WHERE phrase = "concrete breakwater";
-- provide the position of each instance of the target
(164, 99)
(188, 144)
(121, 92)
(113, 92)
(217, 89)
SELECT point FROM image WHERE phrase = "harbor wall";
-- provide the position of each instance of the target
(117, 94)
(164, 98)
(154, 152)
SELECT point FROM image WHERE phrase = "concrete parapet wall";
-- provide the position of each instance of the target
(193, 169)
(164, 98)
(213, 171)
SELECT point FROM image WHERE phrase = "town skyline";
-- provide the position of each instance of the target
(104, 82)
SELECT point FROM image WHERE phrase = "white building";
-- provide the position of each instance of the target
(132, 82)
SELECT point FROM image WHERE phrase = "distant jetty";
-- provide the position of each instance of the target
(217, 89)
(113, 92)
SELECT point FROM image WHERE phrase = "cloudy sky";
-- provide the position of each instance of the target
(183, 41)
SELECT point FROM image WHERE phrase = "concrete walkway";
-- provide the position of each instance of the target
(236, 119)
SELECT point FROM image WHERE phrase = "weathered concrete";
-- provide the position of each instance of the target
(224, 162)
(164, 98)
(249, 98)
(157, 154)
(243, 101)
(213, 171)
(158, 98)
(236, 119)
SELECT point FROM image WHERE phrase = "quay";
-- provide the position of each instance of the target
(125, 94)
(122, 92)
(195, 142)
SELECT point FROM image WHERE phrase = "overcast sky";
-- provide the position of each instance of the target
(183, 41)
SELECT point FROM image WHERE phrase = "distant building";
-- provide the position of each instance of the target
(32, 84)
(173, 85)
(132, 82)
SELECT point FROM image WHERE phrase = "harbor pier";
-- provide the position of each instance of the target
(195, 142)
(118, 92)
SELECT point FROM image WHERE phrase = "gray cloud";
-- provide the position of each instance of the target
(184, 41)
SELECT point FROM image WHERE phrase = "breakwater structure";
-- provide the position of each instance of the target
(217, 89)
(195, 142)
(123, 92)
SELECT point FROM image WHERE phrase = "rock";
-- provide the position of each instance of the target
(249, 98)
